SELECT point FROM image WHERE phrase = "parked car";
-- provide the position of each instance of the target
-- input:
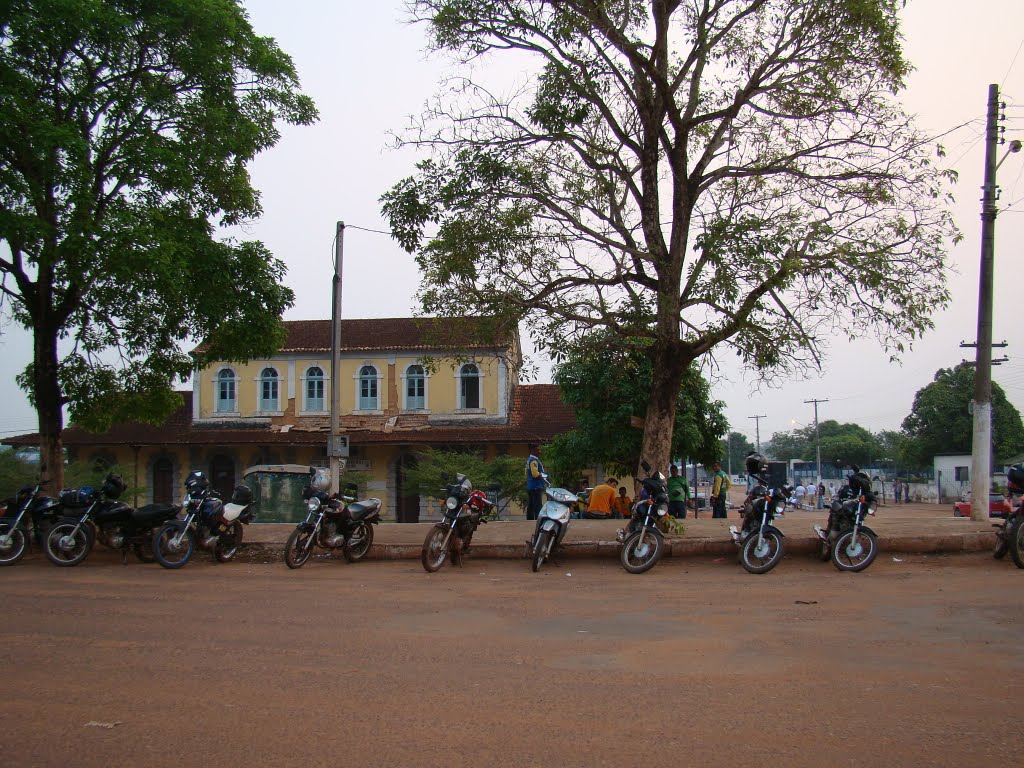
(998, 506)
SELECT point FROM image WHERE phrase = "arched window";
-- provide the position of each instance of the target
(415, 388)
(222, 475)
(163, 481)
(226, 396)
(469, 386)
(368, 400)
(315, 388)
(269, 390)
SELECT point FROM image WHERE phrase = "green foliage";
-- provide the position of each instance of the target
(16, 473)
(607, 385)
(125, 132)
(734, 449)
(848, 443)
(940, 420)
(435, 468)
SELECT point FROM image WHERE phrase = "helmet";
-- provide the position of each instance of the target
(860, 482)
(1015, 478)
(196, 481)
(756, 464)
(319, 479)
(113, 486)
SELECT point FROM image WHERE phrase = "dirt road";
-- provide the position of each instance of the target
(918, 662)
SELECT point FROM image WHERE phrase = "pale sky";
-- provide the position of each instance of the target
(368, 72)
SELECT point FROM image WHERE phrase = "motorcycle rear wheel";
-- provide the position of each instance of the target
(17, 545)
(763, 560)
(169, 557)
(1016, 540)
(228, 543)
(66, 546)
(298, 548)
(540, 549)
(357, 546)
(853, 556)
(637, 557)
(435, 549)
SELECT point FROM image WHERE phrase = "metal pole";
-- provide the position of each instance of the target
(757, 429)
(332, 449)
(817, 438)
(981, 445)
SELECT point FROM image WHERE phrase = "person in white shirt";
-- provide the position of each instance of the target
(800, 493)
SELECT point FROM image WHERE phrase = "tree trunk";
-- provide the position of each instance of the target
(660, 418)
(49, 407)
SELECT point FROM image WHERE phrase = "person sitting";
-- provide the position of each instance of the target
(622, 505)
(600, 506)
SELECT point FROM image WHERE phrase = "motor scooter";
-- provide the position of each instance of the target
(552, 523)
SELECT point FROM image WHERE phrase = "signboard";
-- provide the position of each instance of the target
(337, 445)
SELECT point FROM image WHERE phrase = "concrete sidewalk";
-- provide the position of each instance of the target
(904, 528)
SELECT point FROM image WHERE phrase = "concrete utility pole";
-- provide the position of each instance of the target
(981, 444)
(757, 429)
(333, 448)
(817, 439)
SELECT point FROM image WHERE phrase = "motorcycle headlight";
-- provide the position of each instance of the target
(451, 502)
(662, 510)
(313, 504)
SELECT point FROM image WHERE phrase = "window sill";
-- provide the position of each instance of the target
(425, 411)
(471, 410)
(374, 412)
(269, 413)
(224, 414)
(314, 413)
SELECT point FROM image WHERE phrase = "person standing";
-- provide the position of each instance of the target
(719, 489)
(678, 493)
(906, 492)
(799, 494)
(896, 487)
(534, 483)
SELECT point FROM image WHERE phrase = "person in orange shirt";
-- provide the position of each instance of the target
(622, 504)
(600, 507)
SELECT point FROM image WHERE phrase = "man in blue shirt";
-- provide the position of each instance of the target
(534, 483)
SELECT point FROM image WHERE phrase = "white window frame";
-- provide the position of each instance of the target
(425, 375)
(323, 378)
(235, 380)
(261, 404)
(358, 378)
(459, 400)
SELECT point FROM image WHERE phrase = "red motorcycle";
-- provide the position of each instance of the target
(464, 510)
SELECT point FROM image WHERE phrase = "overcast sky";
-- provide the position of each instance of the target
(367, 71)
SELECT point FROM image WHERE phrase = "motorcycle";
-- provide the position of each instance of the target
(102, 517)
(464, 510)
(760, 542)
(642, 541)
(1010, 532)
(851, 545)
(552, 523)
(332, 522)
(28, 510)
(208, 522)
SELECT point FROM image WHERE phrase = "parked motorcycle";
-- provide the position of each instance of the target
(208, 523)
(100, 516)
(760, 542)
(552, 523)
(332, 522)
(29, 515)
(642, 541)
(1010, 532)
(851, 545)
(464, 510)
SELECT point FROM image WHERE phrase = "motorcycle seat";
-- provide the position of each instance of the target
(153, 514)
(364, 508)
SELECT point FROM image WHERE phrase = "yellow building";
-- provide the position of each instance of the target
(404, 384)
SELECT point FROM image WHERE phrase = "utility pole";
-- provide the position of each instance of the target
(333, 447)
(981, 444)
(817, 439)
(757, 429)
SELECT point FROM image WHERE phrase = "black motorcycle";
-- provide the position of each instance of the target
(28, 516)
(1010, 532)
(207, 522)
(464, 510)
(332, 522)
(761, 543)
(93, 514)
(851, 545)
(642, 541)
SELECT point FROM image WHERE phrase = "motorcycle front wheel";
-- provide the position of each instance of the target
(435, 549)
(540, 549)
(358, 544)
(228, 543)
(854, 555)
(298, 548)
(1016, 541)
(68, 544)
(759, 554)
(13, 544)
(638, 556)
(167, 552)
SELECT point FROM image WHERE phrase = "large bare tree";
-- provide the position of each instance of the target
(695, 173)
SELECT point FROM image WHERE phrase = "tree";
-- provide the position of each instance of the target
(940, 419)
(607, 384)
(735, 449)
(435, 468)
(848, 443)
(695, 174)
(125, 131)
